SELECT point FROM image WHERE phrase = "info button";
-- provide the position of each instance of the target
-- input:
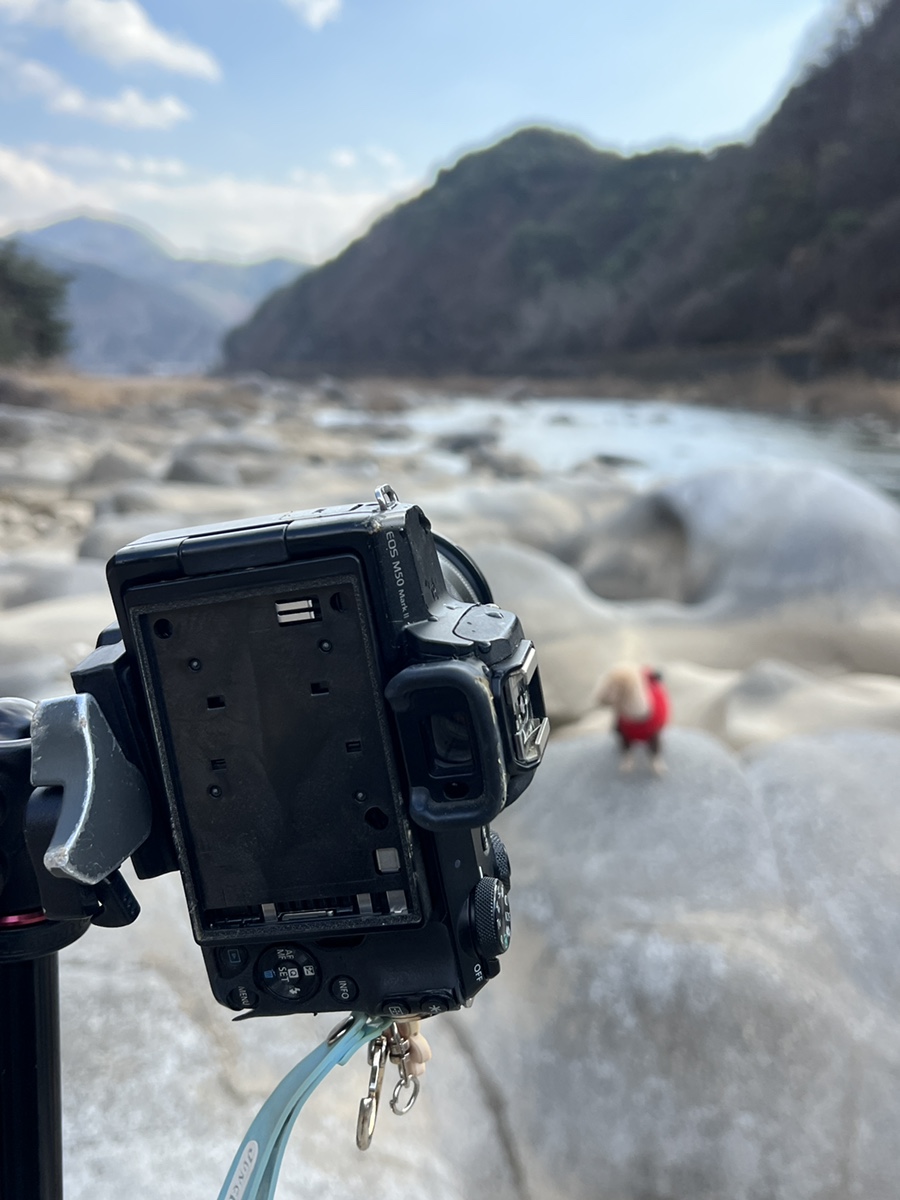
(344, 989)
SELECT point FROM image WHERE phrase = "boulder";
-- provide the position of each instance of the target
(763, 536)
(701, 997)
(17, 389)
(139, 1024)
(768, 701)
(226, 459)
(555, 516)
(638, 552)
(41, 642)
(733, 543)
(25, 579)
(207, 469)
(110, 533)
(18, 426)
(117, 464)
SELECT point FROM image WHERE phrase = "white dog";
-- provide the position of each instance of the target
(641, 707)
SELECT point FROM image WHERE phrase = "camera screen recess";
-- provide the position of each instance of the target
(267, 700)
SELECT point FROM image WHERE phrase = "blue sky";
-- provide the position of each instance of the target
(244, 126)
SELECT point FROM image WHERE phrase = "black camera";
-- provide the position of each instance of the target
(329, 711)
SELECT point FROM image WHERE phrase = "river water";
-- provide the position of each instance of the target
(653, 439)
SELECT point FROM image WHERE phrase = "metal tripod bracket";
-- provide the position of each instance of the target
(105, 811)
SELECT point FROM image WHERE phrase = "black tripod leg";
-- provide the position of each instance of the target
(30, 1106)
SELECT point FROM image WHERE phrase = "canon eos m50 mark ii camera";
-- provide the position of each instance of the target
(329, 711)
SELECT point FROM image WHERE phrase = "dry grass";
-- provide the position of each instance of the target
(761, 388)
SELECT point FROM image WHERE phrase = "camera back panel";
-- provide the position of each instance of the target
(279, 762)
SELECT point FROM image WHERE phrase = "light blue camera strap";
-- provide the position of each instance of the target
(253, 1174)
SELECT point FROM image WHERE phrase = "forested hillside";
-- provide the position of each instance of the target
(31, 303)
(544, 253)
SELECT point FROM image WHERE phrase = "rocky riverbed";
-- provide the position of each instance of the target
(701, 998)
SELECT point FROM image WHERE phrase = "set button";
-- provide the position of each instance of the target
(289, 973)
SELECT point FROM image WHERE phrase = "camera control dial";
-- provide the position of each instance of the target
(289, 973)
(502, 869)
(490, 917)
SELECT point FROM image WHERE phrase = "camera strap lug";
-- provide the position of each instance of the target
(386, 497)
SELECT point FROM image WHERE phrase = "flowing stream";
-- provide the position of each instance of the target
(646, 439)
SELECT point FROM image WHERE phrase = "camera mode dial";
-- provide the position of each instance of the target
(490, 917)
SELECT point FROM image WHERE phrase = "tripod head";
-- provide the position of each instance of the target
(40, 915)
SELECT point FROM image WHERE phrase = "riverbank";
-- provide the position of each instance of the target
(735, 381)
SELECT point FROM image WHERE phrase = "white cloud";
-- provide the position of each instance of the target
(88, 157)
(118, 31)
(29, 188)
(130, 109)
(315, 13)
(345, 157)
(384, 158)
(249, 216)
(307, 214)
(342, 157)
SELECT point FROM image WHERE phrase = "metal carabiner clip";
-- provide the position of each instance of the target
(368, 1106)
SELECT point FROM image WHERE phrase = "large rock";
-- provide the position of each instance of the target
(700, 1001)
(28, 578)
(159, 1084)
(553, 515)
(768, 701)
(117, 464)
(638, 552)
(577, 634)
(702, 995)
(41, 642)
(738, 541)
(226, 459)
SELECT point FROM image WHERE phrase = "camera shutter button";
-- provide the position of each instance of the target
(490, 917)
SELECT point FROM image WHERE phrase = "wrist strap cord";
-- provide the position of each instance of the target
(253, 1174)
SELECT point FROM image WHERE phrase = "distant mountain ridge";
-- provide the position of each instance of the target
(543, 253)
(135, 307)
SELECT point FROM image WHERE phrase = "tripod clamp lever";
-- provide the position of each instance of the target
(104, 813)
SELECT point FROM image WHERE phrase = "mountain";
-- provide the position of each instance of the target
(543, 253)
(135, 307)
(521, 245)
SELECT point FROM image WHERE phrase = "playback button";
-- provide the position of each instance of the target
(231, 961)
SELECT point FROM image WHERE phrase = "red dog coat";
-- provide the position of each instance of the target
(644, 729)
